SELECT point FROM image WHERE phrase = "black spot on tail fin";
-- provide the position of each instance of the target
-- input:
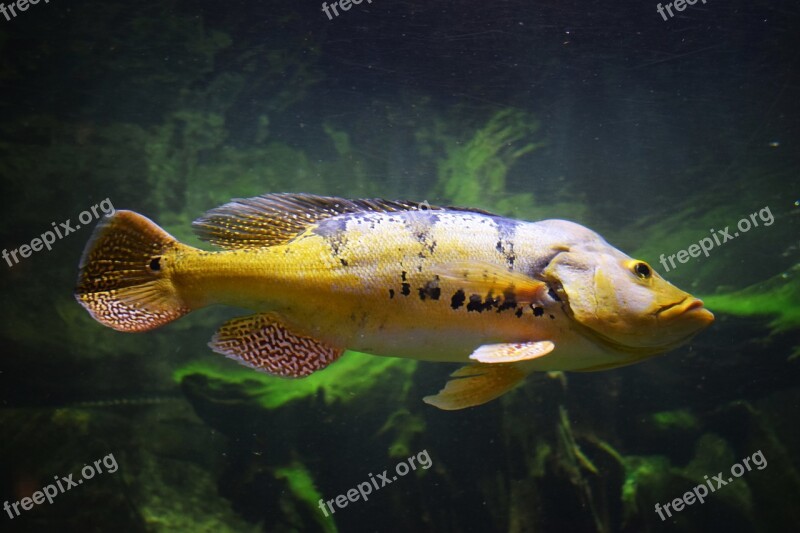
(122, 280)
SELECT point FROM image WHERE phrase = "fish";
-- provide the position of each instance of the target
(321, 275)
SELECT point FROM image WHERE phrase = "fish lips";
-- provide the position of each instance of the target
(690, 308)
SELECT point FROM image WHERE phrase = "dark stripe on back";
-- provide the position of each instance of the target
(334, 231)
(506, 232)
(420, 224)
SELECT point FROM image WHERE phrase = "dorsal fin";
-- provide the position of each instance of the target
(273, 219)
(477, 210)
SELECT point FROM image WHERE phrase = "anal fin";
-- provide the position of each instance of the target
(476, 385)
(264, 343)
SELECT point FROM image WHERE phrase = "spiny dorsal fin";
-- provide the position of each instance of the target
(273, 219)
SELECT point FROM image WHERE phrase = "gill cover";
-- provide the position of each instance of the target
(623, 301)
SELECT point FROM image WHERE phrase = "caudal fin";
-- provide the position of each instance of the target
(124, 280)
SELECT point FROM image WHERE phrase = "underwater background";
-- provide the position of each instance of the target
(654, 131)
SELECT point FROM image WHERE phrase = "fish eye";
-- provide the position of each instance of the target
(642, 270)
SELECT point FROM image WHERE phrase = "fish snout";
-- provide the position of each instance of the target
(698, 312)
(689, 308)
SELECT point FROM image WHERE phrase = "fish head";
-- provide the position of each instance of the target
(623, 302)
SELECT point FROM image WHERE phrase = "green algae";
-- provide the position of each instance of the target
(713, 455)
(538, 464)
(778, 297)
(654, 478)
(570, 445)
(641, 471)
(302, 487)
(473, 172)
(174, 495)
(680, 419)
(714, 215)
(340, 139)
(473, 169)
(406, 426)
(344, 381)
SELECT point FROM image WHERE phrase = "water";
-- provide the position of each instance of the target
(665, 136)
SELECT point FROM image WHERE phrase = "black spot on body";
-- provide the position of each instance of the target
(343, 261)
(458, 299)
(403, 275)
(430, 290)
(537, 311)
(518, 313)
(475, 303)
(551, 316)
(509, 300)
(391, 293)
(406, 289)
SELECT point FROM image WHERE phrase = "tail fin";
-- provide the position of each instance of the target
(123, 280)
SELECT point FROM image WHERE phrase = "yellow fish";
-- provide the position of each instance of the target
(399, 279)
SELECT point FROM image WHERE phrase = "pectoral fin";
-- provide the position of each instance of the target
(511, 353)
(475, 385)
(486, 278)
(264, 343)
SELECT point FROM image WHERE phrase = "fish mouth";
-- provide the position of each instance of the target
(689, 307)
